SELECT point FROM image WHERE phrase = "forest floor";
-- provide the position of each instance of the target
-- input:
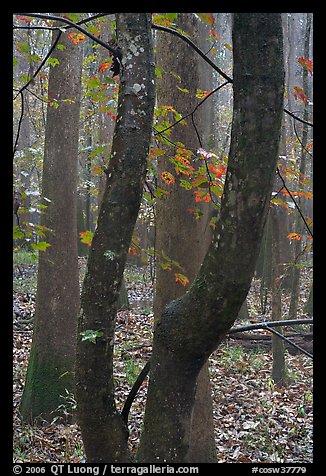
(255, 420)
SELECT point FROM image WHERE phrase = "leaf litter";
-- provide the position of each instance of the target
(255, 420)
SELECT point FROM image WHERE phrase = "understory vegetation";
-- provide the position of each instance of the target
(255, 420)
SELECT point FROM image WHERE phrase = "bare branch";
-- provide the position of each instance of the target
(115, 52)
(198, 50)
(212, 64)
(264, 325)
(298, 118)
(20, 120)
(295, 203)
(41, 64)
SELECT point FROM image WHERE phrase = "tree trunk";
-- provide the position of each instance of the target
(308, 309)
(52, 357)
(103, 430)
(192, 326)
(299, 225)
(179, 234)
(278, 370)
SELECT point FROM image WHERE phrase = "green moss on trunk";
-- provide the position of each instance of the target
(46, 380)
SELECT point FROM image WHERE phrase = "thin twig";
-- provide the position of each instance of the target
(196, 107)
(290, 342)
(41, 64)
(295, 203)
(198, 50)
(20, 121)
(297, 118)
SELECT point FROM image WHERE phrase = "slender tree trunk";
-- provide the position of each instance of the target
(103, 430)
(179, 234)
(279, 369)
(51, 363)
(299, 224)
(192, 326)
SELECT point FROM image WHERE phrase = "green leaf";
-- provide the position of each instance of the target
(208, 18)
(185, 184)
(99, 150)
(75, 17)
(35, 57)
(93, 83)
(23, 47)
(53, 61)
(41, 245)
(24, 78)
(17, 233)
(91, 335)
(159, 192)
(159, 71)
(171, 16)
(175, 75)
(184, 90)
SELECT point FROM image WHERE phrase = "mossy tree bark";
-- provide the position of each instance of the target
(103, 430)
(51, 364)
(192, 326)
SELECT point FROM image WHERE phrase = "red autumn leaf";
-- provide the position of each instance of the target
(86, 237)
(294, 236)
(217, 170)
(27, 20)
(112, 115)
(306, 63)
(299, 93)
(215, 34)
(202, 196)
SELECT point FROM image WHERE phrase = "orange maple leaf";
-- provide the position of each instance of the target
(167, 178)
(105, 65)
(181, 278)
(76, 37)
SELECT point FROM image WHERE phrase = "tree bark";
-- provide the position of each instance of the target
(103, 430)
(52, 358)
(179, 234)
(192, 326)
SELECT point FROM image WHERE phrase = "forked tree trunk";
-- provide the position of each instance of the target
(103, 430)
(52, 358)
(192, 326)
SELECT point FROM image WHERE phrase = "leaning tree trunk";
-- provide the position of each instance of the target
(52, 358)
(103, 430)
(179, 234)
(191, 327)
